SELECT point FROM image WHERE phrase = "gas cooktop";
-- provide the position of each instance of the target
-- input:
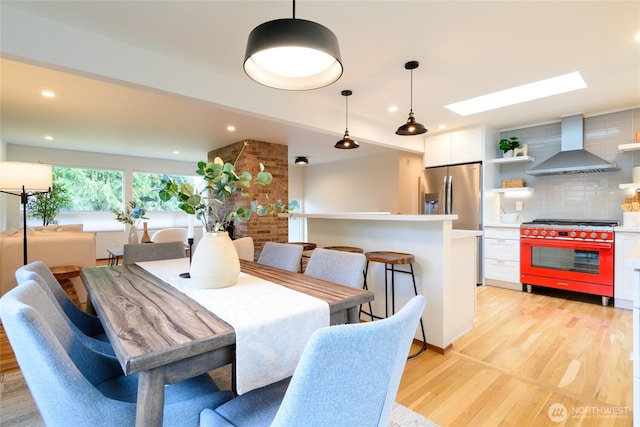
(574, 222)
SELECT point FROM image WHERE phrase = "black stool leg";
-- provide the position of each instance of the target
(366, 288)
(424, 337)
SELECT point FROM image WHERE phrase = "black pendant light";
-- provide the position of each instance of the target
(411, 127)
(293, 54)
(301, 160)
(346, 143)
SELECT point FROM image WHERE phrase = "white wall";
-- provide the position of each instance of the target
(368, 184)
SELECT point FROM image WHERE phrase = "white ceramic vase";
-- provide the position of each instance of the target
(507, 153)
(215, 262)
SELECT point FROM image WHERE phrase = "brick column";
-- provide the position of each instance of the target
(274, 157)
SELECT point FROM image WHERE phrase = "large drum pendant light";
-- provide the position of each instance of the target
(411, 127)
(346, 143)
(293, 54)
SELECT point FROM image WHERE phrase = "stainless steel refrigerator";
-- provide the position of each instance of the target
(456, 189)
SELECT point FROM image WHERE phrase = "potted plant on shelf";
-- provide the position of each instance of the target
(507, 146)
(215, 261)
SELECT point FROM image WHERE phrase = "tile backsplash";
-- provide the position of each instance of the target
(576, 196)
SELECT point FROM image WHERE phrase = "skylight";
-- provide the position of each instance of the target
(516, 95)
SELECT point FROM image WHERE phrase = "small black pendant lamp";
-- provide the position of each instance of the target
(293, 54)
(411, 127)
(346, 143)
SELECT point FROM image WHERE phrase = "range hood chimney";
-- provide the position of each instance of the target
(572, 158)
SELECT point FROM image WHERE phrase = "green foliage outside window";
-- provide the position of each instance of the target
(91, 189)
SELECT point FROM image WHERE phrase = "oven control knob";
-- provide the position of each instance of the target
(594, 235)
(572, 234)
(583, 235)
(535, 232)
(526, 232)
(552, 233)
(604, 236)
(543, 232)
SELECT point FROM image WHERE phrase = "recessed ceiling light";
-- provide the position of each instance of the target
(48, 138)
(392, 108)
(231, 128)
(637, 37)
(48, 94)
(442, 126)
(528, 92)
(176, 152)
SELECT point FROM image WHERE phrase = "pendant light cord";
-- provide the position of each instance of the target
(411, 96)
(346, 114)
(294, 9)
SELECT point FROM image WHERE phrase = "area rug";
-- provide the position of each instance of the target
(18, 409)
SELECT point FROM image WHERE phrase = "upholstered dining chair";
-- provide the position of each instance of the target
(336, 382)
(91, 335)
(170, 235)
(244, 247)
(73, 385)
(281, 255)
(336, 266)
(152, 252)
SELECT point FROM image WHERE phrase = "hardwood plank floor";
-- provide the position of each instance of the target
(527, 355)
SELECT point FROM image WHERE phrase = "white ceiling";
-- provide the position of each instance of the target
(150, 77)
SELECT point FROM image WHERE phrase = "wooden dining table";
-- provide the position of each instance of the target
(166, 337)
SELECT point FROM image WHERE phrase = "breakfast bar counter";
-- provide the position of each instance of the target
(445, 264)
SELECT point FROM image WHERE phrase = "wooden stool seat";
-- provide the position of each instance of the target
(306, 246)
(345, 249)
(64, 274)
(387, 257)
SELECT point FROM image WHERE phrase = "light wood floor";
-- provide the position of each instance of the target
(527, 354)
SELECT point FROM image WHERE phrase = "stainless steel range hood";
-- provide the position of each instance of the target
(572, 158)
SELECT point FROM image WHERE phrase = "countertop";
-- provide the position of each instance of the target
(463, 234)
(375, 216)
(502, 225)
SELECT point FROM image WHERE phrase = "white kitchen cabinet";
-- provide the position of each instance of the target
(502, 257)
(460, 146)
(624, 274)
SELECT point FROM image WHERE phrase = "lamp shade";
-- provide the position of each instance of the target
(301, 161)
(32, 176)
(293, 54)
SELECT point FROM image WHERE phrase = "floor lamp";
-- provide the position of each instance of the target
(24, 180)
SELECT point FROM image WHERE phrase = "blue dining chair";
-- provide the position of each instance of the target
(281, 255)
(337, 381)
(73, 385)
(340, 267)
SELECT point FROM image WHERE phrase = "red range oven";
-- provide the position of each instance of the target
(571, 255)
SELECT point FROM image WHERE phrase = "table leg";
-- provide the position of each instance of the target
(353, 315)
(150, 398)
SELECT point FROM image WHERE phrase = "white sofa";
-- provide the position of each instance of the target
(56, 245)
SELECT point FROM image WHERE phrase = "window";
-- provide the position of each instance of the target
(90, 189)
(146, 185)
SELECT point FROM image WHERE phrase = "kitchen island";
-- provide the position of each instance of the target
(445, 264)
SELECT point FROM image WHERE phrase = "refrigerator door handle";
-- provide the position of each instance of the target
(450, 196)
(445, 194)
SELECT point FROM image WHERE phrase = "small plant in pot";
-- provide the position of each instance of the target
(507, 146)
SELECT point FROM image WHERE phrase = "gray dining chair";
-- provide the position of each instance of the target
(281, 255)
(245, 248)
(73, 385)
(335, 383)
(86, 323)
(152, 252)
(340, 267)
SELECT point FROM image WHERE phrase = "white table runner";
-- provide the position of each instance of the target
(272, 323)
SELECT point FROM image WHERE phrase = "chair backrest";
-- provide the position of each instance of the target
(336, 266)
(244, 247)
(24, 275)
(281, 255)
(170, 235)
(152, 252)
(338, 382)
(58, 369)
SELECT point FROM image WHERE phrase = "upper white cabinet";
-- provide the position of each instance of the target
(460, 146)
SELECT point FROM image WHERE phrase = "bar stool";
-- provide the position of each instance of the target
(306, 247)
(346, 249)
(390, 260)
